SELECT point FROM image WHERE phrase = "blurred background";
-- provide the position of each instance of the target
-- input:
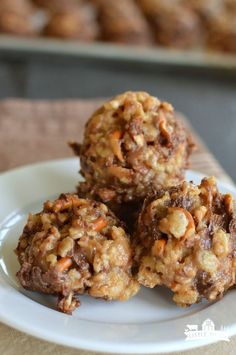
(183, 51)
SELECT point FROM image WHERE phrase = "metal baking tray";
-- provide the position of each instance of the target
(188, 58)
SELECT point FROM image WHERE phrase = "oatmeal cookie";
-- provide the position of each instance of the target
(122, 22)
(185, 240)
(15, 17)
(132, 145)
(222, 33)
(73, 22)
(173, 25)
(76, 246)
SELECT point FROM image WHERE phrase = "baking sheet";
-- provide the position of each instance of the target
(189, 58)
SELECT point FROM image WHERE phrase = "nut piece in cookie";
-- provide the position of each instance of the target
(76, 246)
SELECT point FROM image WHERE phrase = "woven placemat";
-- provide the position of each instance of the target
(32, 131)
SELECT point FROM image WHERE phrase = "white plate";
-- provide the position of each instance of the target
(148, 323)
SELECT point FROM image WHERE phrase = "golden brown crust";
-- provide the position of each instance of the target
(76, 246)
(133, 145)
(185, 240)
